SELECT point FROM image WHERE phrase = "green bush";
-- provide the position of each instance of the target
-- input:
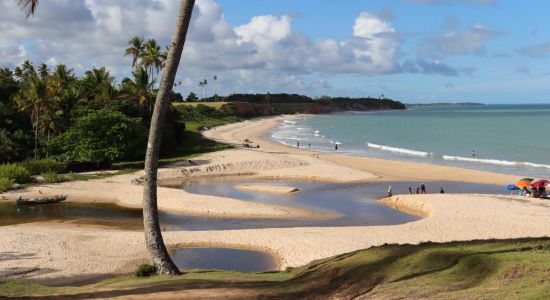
(15, 172)
(101, 136)
(53, 177)
(39, 166)
(5, 184)
(146, 270)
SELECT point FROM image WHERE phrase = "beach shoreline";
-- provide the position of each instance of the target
(61, 251)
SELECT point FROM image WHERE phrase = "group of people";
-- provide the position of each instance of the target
(248, 144)
(419, 190)
(309, 145)
(535, 192)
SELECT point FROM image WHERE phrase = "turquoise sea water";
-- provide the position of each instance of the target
(513, 139)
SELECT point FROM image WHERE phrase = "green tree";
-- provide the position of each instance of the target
(153, 235)
(98, 87)
(135, 50)
(101, 135)
(138, 90)
(152, 58)
(192, 97)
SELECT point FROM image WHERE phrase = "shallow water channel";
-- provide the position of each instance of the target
(228, 259)
(356, 204)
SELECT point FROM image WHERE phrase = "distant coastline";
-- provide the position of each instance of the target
(444, 104)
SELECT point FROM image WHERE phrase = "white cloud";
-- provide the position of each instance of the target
(470, 41)
(265, 51)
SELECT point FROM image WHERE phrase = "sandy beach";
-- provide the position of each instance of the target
(60, 252)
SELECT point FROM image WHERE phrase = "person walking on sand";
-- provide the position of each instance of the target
(441, 190)
(417, 190)
(298, 144)
(473, 153)
(410, 191)
(389, 191)
(423, 188)
(335, 146)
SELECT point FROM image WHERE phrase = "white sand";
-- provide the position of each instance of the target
(65, 252)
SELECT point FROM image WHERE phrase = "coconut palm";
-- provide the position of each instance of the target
(98, 85)
(153, 235)
(135, 50)
(152, 58)
(28, 6)
(32, 98)
(215, 87)
(138, 89)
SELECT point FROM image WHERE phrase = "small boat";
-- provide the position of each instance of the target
(43, 200)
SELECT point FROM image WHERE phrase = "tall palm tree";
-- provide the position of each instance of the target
(201, 85)
(152, 58)
(215, 87)
(205, 83)
(32, 98)
(135, 50)
(138, 89)
(153, 235)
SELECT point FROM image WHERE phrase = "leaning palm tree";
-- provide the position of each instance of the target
(135, 50)
(153, 235)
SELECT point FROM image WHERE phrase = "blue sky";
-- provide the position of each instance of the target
(491, 51)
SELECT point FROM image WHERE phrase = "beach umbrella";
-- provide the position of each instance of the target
(511, 187)
(539, 183)
(523, 183)
(527, 179)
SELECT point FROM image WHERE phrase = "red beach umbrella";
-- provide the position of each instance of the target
(539, 183)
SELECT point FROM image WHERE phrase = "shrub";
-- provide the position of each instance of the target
(53, 177)
(39, 166)
(5, 184)
(146, 270)
(102, 135)
(15, 172)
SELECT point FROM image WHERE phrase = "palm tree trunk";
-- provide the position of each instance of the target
(153, 236)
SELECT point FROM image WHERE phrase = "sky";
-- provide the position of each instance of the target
(414, 51)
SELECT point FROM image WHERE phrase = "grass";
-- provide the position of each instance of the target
(505, 269)
(216, 105)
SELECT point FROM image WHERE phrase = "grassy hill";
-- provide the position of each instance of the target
(505, 269)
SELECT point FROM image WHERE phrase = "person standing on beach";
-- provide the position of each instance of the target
(423, 188)
(441, 190)
(417, 190)
(390, 191)
(473, 153)
(335, 146)
(298, 144)
(410, 191)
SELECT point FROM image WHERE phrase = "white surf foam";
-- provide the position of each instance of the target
(496, 162)
(399, 150)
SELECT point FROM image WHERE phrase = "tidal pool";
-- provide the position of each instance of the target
(228, 259)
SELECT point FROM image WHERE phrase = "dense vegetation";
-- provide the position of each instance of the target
(505, 269)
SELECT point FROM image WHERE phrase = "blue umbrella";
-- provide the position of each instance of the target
(511, 187)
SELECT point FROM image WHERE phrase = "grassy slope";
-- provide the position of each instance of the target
(472, 270)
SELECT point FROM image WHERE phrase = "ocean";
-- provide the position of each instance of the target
(512, 139)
